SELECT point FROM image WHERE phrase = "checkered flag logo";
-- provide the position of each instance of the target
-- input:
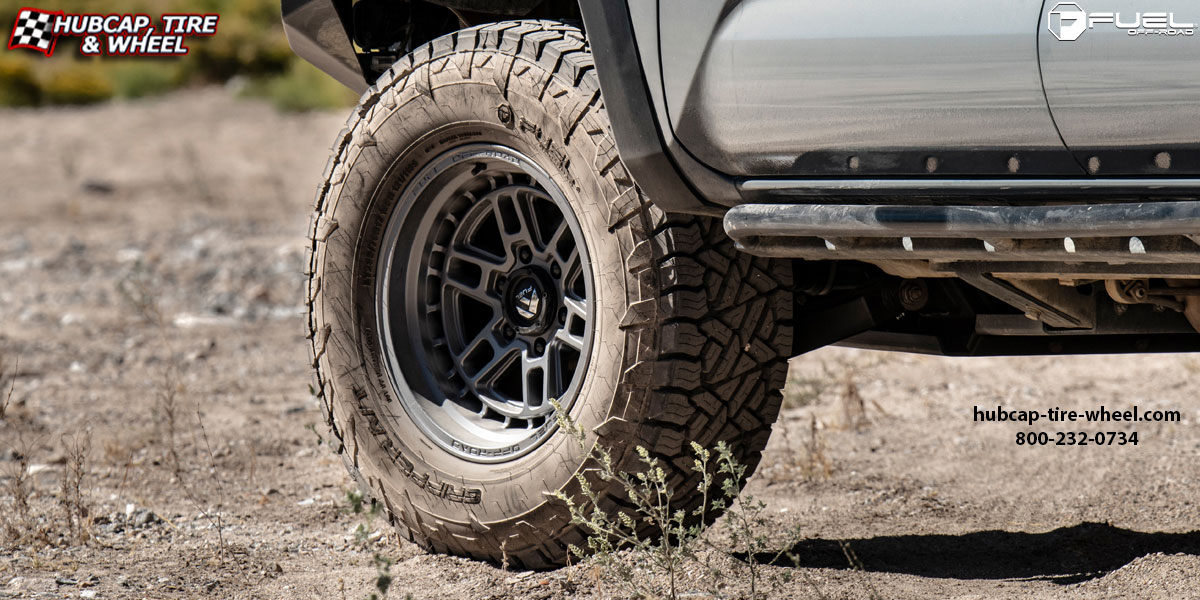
(33, 30)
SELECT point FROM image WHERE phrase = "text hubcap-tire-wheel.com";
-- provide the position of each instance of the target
(484, 302)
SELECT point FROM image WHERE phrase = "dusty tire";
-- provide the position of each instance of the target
(689, 338)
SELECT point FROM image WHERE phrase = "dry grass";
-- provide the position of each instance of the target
(816, 462)
(30, 516)
(652, 548)
(75, 510)
(12, 385)
(205, 494)
(807, 459)
(139, 290)
(807, 383)
(166, 413)
(17, 519)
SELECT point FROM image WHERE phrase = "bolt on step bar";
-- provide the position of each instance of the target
(1141, 233)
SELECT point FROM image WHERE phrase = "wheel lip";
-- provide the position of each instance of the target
(387, 259)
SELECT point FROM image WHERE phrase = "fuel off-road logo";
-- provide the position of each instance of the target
(109, 35)
(1067, 21)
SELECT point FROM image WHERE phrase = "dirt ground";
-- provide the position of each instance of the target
(150, 284)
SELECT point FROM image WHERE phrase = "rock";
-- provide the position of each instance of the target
(98, 187)
(144, 517)
(71, 319)
(130, 255)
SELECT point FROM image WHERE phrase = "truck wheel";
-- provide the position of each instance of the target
(478, 249)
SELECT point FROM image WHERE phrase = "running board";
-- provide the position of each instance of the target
(779, 188)
(1163, 234)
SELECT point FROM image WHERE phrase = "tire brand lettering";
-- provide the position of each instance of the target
(442, 489)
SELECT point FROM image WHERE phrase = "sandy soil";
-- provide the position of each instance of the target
(150, 265)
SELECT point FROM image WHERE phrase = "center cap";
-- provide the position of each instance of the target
(528, 301)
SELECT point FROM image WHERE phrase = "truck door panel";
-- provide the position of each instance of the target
(812, 87)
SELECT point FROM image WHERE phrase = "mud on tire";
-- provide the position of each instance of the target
(689, 337)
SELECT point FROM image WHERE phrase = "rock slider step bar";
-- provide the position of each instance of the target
(748, 221)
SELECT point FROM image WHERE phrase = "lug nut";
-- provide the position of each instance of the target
(509, 332)
(562, 316)
(555, 270)
(501, 282)
(525, 255)
(539, 346)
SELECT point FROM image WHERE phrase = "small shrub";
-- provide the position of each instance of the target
(20, 523)
(670, 542)
(139, 289)
(359, 504)
(805, 388)
(746, 522)
(18, 83)
(302, 87)
(249, 41)
(138, 79)
(76, 513)
(76, 83)
(664, 537)
(383, 576)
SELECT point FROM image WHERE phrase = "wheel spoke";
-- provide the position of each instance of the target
(489, 267)
(518, 220)
(532, 400)
(535, 377)
(564, 335)
(477, 292)
(505, 219)
(487, 335)
(484, 261)
(485, 376)
(576, 308)
(523, 203)
(551, 248)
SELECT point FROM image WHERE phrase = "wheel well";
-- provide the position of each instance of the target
(384, 30)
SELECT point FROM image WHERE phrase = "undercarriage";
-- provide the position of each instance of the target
(991, 279)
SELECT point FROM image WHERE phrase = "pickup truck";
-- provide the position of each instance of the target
(638, 211)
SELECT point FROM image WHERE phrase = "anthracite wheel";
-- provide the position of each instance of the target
(483, 301)
(478, 249)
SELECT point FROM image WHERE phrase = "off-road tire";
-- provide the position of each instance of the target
(691, 337)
